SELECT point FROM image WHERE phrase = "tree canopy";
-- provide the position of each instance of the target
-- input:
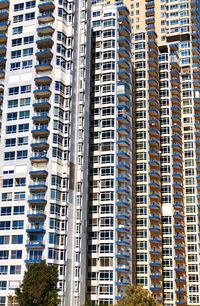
(137, 296)
(39, 286)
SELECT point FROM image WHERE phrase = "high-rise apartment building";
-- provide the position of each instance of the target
(165, 57)
(99, 148)
(44, 141)
(110, 192)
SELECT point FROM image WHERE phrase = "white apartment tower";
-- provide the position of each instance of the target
(44, 57)
(110, 192)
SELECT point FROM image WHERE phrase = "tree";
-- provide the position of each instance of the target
(39, 286)
(137, 296)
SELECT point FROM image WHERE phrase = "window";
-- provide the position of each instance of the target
(6, 211)
(23, 127)
(17, 30)
(25, 101)
(24, 114)
(9, 155)
(18, 18)
(4, 225)
(17, 239)
(28, 39)
(16, 54)
(4, 239)
(16, 42)
(10, 142)
(19, 196)
(22, 154)
(3, 285)
(15, 269)
(3, 271)
(25, 89)
(22, 141)
(27, 64)
(27, 52)
(18, 224)
(12, 103)
(12, 116)
(20, 181)
(30, 4)
(18, 210)
(13, 91)
(18, 7)
(16, 254)
(7, 183)
(29, 16)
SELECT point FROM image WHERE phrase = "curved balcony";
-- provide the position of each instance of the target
(179, 247)
(33, 260)
(154, 142)
(124, 31)
(38, 173)
(155, 275)
(179, 237)
(123, 155)
(123, 166)
(181, 291)
(123, 142)
(41, 118)
(156, 288)
(154, 173)
(44, 54)
(37, 187)
(3, 26)
(155, 240)
(179, 258)
(36, 229)
(154, 206)
(4, 4)
(122, 255)
(155, 263)
(41, 105)
(37, 201)
(3, 50)
(181, 303)
(123, 63)
(123, 268)
(122, 203)
(122, 242)
(123, 42)
(39, 158)
(123, 130)
(155, 229)
(123, 52)
(40, 131)
(44, 66)
(46, 6)
(122, 283)
(123, 190)
(45, 30)
(123, 74)
(122, 216)
(46, 18)
(45, 42)
(42, 92)
(123, 178)
(36, 214)
(34, 244)
(2, 73)
(3, 38)
(4, 14)
(154, 218)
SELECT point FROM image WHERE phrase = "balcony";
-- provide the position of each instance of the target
(155, 275)
(155, 240)
(123, 178)
(156, 288)
(45, 30)
(36, 229)
(155, 229)
(123, 155)
(40, 130)
(42, 105)
(123, 130)
(123, 42)
(38, 173)
(180, 291)
(122, 242)
(4, 14)
(124, 31)
(3, 38)
(45, 42)
(122, 203)
(122, 268)
(122, 255)
(155, 263)
(154, 218)
(154, 206)
(44, 66)
(122, 216)
(122, 9)
(123, 142)
(34, 244)
(123, 166)
(39, 158)
(37, 200)
(41, 117)
(46, 6)
(36, 214)
(42, 91)
(44, 54)
(37, 187)
(123, 63)
(123, 190)
(46, 17)
(4, 4)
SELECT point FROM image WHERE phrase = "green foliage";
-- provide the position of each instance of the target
(137, 296)
(39, 286)
(92, 303)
